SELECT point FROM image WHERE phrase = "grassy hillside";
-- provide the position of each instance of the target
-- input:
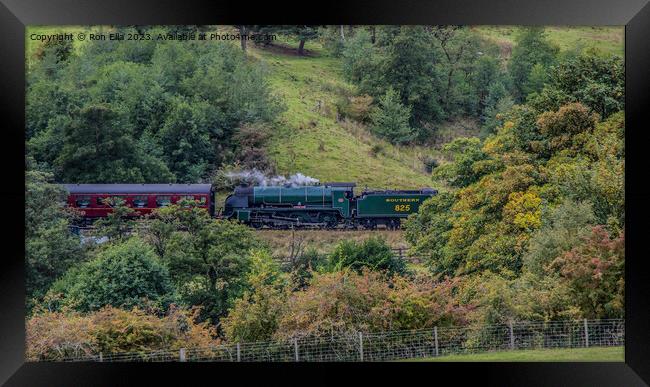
(312, 141)
(552, 355)
(608, 39)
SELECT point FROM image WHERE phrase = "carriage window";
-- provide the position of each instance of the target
(163, 201)
(82, 201)
(140, 201)
(202, 200)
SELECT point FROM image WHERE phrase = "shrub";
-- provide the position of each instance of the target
(430, 163)
(376, 149)
(254, 316)
(303, 266)
(347, 302)
(594, 272)
(360, 107)
(56, 335)
(373, 254)
(126, 275)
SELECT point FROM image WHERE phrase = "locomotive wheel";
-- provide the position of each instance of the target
(330, 221)
(370, 224)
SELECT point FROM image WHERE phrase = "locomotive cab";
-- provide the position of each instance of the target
(237, 200)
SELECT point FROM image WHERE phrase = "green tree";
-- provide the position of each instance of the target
(595, 80)
(461, 53)
(185, 140)
(409, 68)
(391, 119)
(531, 49)
(50, 248)
(464, 152)
(428, 232)
(255, 316)
(126, 275)
(361, 61)
(563, 229)
(208, 259)
(116, 225)
(99, 147)
(114, 111)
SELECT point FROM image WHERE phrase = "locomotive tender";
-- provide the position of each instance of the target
(329, 205)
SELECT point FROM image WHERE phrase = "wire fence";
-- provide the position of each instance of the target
(396, 345)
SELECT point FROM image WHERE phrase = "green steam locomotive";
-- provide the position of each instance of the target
(329, 206)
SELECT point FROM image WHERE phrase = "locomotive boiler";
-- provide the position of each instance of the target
(329, 205)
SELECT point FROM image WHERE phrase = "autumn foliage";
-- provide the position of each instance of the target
(63, 334)
(343, 302)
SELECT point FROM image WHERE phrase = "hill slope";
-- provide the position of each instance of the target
(312, 141)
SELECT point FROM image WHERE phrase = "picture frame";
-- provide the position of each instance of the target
(15, 15)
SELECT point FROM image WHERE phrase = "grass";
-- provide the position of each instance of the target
(595, 354)
(309, 138)
(607, 39)
(323, 241)
(32, 45)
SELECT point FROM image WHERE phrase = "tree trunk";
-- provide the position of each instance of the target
(301, 47)
(448, 91)
(342, 34)
(242, 34)
(373, 31)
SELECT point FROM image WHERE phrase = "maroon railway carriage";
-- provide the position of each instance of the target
(143, 198)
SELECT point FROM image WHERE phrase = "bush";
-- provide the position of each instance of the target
(373, 254)
(430, 163)
(56, 335)
(252, 140)
(126, 275)
(594, 272)
(304, 265)
(360, 107)
(376, 149)
(563, 229)
(254, 316)
(348, 302)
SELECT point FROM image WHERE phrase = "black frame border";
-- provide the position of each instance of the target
(634, 14)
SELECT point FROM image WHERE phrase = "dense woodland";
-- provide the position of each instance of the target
(528, 224)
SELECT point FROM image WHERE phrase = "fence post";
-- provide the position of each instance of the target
(101, 357)
(295, 349)
(435, 338)
(181, 354)
(238, 352)
(360, 346)
(512, 336)
(586, 334)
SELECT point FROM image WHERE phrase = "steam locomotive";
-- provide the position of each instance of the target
(328, 205)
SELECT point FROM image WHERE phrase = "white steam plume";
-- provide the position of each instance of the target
(258, 178)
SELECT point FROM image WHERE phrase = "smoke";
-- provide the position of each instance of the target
(255, 177)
